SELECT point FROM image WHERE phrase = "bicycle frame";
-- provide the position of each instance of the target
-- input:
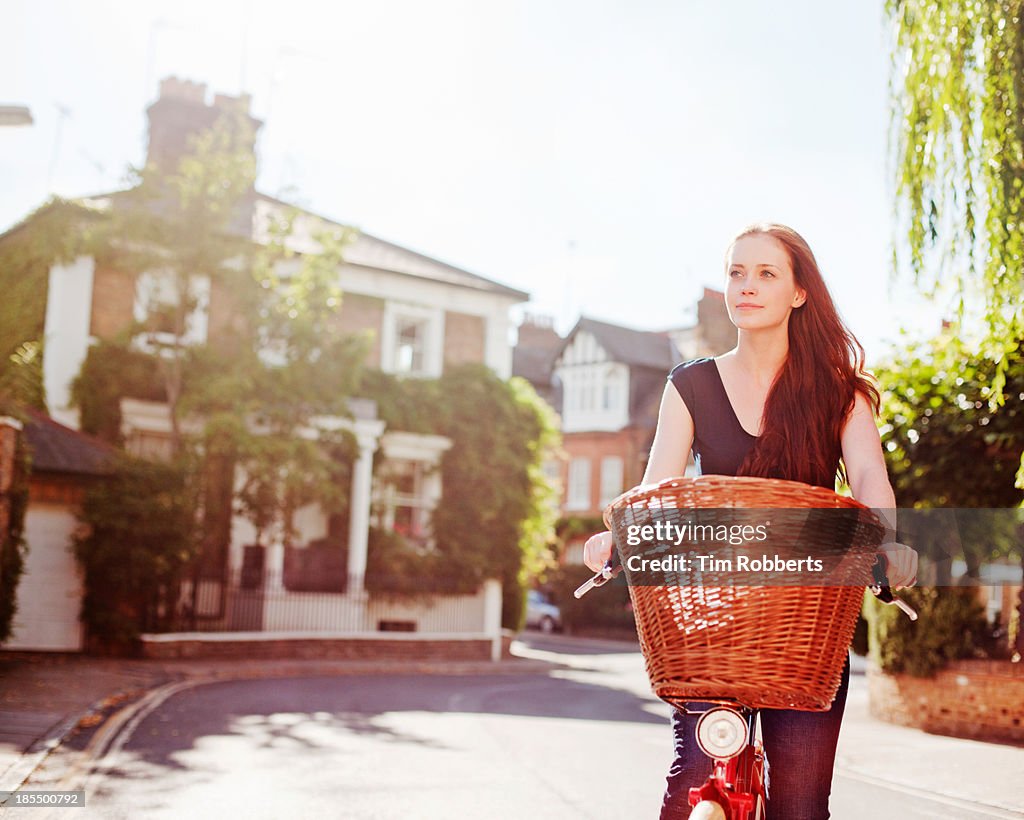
(736, 783)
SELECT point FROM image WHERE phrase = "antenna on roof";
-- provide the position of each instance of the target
(246, 18)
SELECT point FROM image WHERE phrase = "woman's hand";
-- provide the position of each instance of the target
(597, 550)
(902, 564)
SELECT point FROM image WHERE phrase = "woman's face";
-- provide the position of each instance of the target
(761, 290)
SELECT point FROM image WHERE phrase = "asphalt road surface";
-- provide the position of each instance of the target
(584, 741)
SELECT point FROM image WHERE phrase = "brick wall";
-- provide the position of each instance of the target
(363, 313)
(594, 447)
(225, 323)
(973, 699)
(113, 299)
(464, 338)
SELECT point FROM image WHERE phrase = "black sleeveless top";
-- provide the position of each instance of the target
(719, 441)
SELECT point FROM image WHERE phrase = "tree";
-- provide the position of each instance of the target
(946, 447)
(178, 226)
(273, 400)
(957, 90)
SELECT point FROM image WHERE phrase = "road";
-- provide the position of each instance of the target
(586, 740)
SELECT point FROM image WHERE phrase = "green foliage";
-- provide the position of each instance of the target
(945, 444)
(22, 378)
(177, 224)
(113, 371)
(396, 571)
(496, 515)
(276, 412)
(57, 234)
(12, 542)
(957, 88)
(951, 626)
(139, 535)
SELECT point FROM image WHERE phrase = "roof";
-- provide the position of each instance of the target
(366, 251)
(59, 449)
(533, 364)
(372, 252)
(637, 348)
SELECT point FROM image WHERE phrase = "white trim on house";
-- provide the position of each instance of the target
(423, 452)
(578, 493)
(595, 388)
(612, 471)
(430, 359)
(66, 333)
(155, 290)
(423, 282)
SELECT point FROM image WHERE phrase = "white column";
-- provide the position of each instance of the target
(492, 615)
(367, 435)
(273, 572)
(66, 333)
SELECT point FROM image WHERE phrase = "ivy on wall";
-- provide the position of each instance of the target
(496, 514)
(58, 232)
(12, 543)
(113, 371)
(139, 537)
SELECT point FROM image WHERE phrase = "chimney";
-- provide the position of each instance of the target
(717, 332)
(181, 111)
(538, 332)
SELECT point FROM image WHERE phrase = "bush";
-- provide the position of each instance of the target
(604, 608)
(396, 571)
(951, 625)
(139, 534)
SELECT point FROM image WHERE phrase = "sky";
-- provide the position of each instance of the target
(597, 154)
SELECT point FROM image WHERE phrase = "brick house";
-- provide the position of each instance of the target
(423, 315)
(606, 382)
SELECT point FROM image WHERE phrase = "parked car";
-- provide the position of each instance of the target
(541, 613)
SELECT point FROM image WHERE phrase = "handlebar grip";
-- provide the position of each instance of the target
(611, 568)
(883, 592)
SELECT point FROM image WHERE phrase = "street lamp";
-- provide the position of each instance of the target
(15, 115)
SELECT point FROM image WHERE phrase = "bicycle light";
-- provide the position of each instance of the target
(721, 733)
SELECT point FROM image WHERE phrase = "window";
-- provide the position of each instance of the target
(412, 339)
(157, 297)
(579, 484)
(405, 506)
(611, 478)
(610, 389)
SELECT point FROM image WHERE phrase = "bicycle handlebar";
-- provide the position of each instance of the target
(880, 588)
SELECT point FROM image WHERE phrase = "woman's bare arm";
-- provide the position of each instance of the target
(869, 480)
(672, 440)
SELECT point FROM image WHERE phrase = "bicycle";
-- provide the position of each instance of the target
(725, 731)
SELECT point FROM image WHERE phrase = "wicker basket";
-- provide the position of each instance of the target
(763, 646)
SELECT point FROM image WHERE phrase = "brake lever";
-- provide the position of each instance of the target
(883, 592)
(611, 568)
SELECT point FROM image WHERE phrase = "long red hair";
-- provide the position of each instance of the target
(814, 392)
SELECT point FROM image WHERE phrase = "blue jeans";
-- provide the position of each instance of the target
(799, 746)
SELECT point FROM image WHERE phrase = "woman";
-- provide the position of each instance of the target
(788, 402)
